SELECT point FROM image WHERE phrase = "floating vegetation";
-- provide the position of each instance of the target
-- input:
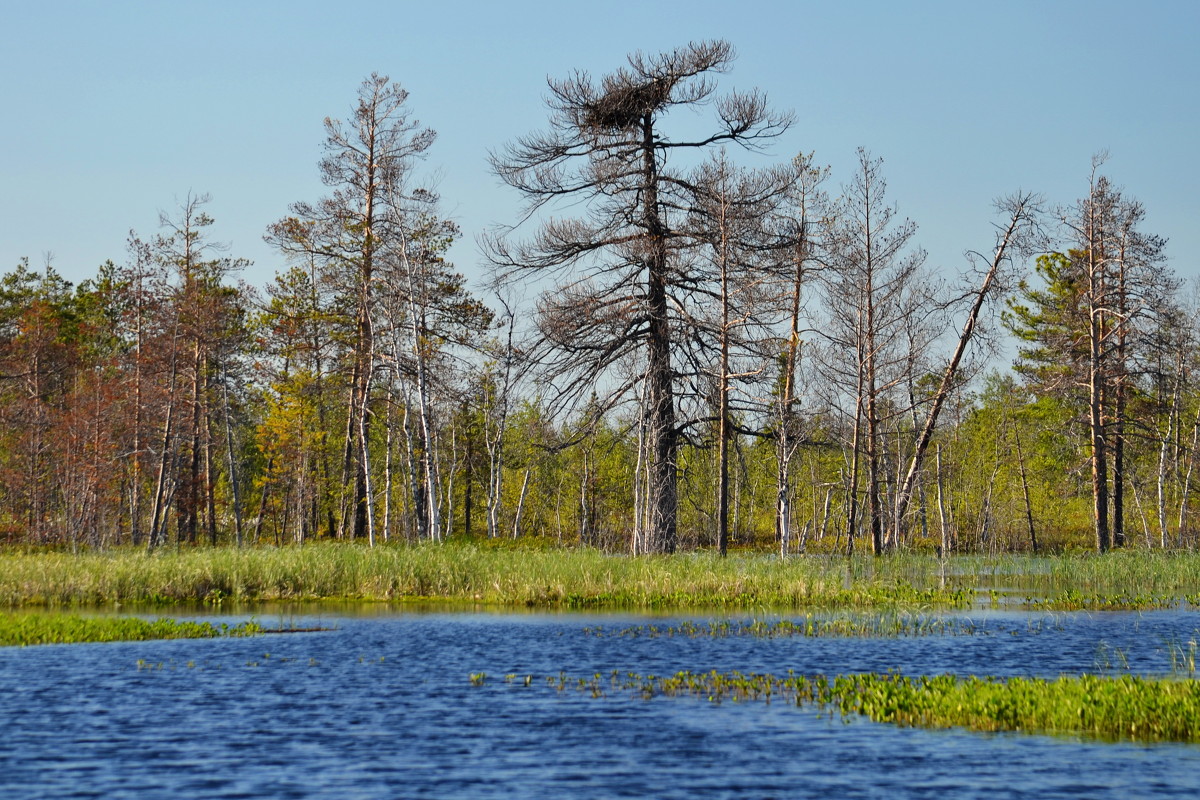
(29, 629)
(889, 626)
(1107, 707)
(1073, 600)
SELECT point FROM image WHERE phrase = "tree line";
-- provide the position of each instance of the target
(716, 355)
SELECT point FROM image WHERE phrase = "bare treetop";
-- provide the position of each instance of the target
(612, 124)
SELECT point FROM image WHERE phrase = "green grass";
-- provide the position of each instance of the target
(484, 573)
(30, 629)
(1116, 708)
(459, 572)
(810, 626)
(1116, 581)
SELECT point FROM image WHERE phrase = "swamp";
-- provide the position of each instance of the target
(906, 676)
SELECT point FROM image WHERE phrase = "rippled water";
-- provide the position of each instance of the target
(382, 707)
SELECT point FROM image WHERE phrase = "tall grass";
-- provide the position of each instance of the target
(1126, 579)
(458, 572)
(485, 574)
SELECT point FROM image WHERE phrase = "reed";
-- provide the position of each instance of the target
(484, 573)
(464, 572)
(1118, 580)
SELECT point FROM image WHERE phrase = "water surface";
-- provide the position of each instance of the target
(382, 706)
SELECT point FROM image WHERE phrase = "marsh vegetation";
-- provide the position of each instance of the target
(23, 629)
(484, 573)
(1106, 707)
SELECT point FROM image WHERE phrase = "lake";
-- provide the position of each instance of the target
(382, 706)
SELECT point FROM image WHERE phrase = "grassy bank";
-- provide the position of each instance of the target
(30, 629)
(1123, 707)
(458, 572)
(483, 573)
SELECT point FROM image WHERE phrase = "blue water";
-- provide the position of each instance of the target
(382, 707)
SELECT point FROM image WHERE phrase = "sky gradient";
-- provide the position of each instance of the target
(113, 111)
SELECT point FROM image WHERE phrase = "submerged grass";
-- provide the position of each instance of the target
(30, 629)
(876, 626)
(1073, 600)
(1116, 708)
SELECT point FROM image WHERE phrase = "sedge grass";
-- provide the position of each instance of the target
(1116, 581)
(483, 573)
(30, 629)
(463, 572)
(1122, 707)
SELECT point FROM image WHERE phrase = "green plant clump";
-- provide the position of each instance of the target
(1107, 707)
(28, 629)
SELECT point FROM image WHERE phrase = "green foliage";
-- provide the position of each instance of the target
(29, 629)
(1050, 322)
(1120, 707)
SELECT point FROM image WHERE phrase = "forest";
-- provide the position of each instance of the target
(675, 348)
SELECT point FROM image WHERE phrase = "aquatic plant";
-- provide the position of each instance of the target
(1107, 707)
(1074, 600)
(1183, 656)
(30, 629)
(880, 625)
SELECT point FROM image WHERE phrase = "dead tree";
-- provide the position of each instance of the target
(619, 266)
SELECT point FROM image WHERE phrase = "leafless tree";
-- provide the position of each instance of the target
(1012, 239)
(803, 220)
(367, 164)
(619, 268)
(739, 304)
(873, 291)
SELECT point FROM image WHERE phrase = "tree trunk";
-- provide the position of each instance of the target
(663, 500)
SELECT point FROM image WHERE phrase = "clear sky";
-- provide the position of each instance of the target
(115, 109)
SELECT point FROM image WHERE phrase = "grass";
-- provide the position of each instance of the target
(30, 629)
(483, 573)
(1117, 581)
(878, 626)
(1116, 708)
(461, 572)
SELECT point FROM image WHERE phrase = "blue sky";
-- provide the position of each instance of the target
(114, 110)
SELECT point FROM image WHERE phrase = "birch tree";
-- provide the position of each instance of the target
(367, 164)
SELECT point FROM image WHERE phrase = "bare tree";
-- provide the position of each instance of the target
(803, 219)
(1011, 239)
(619, 268)
(872, 292)
(367, 163)
(731, 217)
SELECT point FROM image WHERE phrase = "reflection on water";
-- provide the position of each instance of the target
(381, 706)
